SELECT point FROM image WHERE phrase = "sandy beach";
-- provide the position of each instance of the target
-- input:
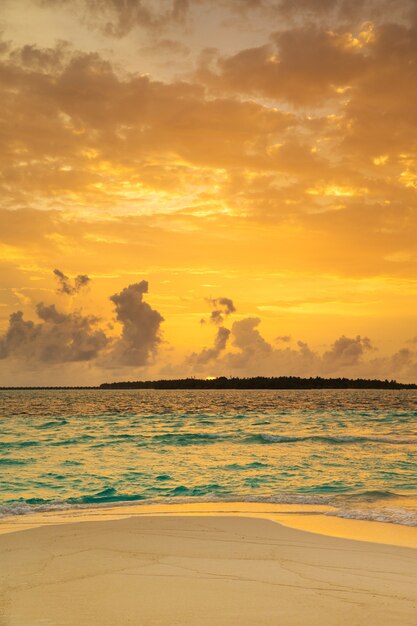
(201, 569)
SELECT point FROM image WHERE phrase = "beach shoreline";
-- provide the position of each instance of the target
(198, 567)
(318, 519)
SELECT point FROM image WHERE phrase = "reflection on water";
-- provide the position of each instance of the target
(354, 449)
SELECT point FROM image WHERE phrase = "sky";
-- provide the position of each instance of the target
(206, 188)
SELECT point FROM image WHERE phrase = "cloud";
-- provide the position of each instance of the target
(42, 60)
(291, 153)
(304, 65)
(61, 337)
(65, 286)
(283, 338)
(166, 47)
(198, 360)
(345, 11)
(117, 18)
(122, 139)
(346, 352)
(247, 338)
(140, 336)
(117, 137)
(57, 338)
(223, 308)
(243, 351)
(256, 354)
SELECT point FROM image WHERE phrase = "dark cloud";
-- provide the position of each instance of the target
(198, 360)
(255, 353)
(350, 11)
(223, 308)
(60, 337)
(140, 336)
(346, 352)
(252, 347)
(43, 60)
(289, 7)
(250, 354)
(283, 338)
(304, 65)
(57, 338)
(65, 285)
(166, 47)
(117, 18)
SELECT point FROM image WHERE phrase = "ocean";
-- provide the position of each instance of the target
(354, 450)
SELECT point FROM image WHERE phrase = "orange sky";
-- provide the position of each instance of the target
(261, 152)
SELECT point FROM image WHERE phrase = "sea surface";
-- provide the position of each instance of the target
(355, 450)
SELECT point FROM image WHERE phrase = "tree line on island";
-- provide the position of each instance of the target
(260, 382)
(257, 382)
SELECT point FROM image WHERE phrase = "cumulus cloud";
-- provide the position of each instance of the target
(253, 355)
(57, 338)
(247, 338)
(198, 360)
(65, 286)
(256, 354)
(141, 323)
(62, 337)
(223, 308)
(346, 352)
(243, 351)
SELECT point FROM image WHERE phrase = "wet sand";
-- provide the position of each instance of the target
(196, 568)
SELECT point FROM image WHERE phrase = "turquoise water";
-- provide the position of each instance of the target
(353, 449)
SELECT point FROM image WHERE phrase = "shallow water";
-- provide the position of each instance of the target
(353, 449)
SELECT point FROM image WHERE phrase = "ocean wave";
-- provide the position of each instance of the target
(52, 424)
(6, 445)
(179, 495)
(13, 509)
(110, 494)
(246, 466)
(109, 497)
(343, 439)
(403, 517)
(73, 441)
(201, 438)
(8, 461)
(185, 439)
(372, 495)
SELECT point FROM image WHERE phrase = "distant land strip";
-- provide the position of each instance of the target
(261, 382)
(257, 382)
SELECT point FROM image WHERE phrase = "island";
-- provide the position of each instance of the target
(260, 382)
